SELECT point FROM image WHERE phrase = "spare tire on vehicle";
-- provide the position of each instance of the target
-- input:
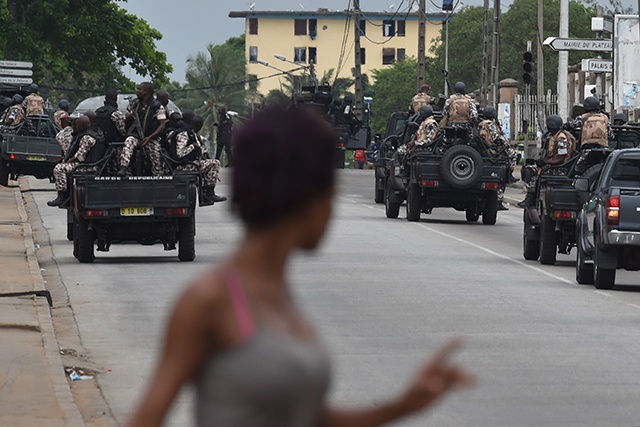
(461, 167)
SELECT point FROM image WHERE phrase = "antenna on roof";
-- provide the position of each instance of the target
(301, 6)
(251, 6)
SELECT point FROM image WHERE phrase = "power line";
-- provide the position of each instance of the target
(391, 37)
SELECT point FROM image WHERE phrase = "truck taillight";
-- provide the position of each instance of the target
(613, 209)
(176, 211)
(490, 186)
(96, 213)
(12, 156)
(564, 215)
(429, 183)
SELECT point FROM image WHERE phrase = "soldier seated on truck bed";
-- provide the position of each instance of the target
(14, 115)
(460, 112)
(186, 149)
(425, 135)
(595, 131)
(87, 147)
(560, 148)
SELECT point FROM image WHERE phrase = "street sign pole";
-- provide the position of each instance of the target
(563, 62)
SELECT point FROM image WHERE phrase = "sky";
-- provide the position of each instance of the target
(188, 26)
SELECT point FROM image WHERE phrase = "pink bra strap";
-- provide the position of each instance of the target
(240, 303)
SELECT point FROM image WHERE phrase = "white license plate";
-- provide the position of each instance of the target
(136, 211)
(36, 158)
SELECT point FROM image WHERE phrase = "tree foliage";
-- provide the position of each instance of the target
(85, 41)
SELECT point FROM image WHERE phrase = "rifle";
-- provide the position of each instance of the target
(445, 73)
(137, 127)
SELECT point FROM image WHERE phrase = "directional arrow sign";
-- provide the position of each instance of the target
(16, 64)
(596, 45)
(16, 80)
(597, 65)
(15, 72)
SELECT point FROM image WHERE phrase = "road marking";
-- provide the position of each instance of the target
(603, 293)
(634, 306)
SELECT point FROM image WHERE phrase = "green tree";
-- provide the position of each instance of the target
(87, 41)
(216, 77)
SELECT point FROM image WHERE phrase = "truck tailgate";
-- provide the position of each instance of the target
(561, 196)
(629, 209)
(33, 148)
(115, 192)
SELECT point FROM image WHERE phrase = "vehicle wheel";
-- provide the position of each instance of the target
(4, 173)
(530, 248)
(379, 192)
(603, 278)
(461, 167)
(584, 271)
(83, 241)
(186, 238)
(392, 209)
(548, 241)
(414, 202)
(471, 214)
(490, 213)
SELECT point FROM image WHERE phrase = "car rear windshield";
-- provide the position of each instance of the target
(626, 173)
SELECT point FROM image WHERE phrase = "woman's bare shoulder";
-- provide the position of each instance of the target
(207, 292)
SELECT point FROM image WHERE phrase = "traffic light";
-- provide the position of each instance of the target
(527, 67)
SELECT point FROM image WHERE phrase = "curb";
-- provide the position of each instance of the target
(61, 389)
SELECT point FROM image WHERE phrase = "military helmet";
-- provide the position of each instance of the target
(425, 111)
(33, 88)
(6, 102)
(460, 88)
(489, 112)
(554, 122)
(63, 104)
(591, 103)
(337, 102)
(17, 98)
(620, 116)
(348, 99)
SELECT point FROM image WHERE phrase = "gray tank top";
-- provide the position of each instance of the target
(270, 380)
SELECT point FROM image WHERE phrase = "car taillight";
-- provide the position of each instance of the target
(613, 209)
(176, 211)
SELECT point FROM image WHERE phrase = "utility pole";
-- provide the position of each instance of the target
(540, 70)
(421, 48)
(563, 62)
(446, 51)
(485, 54)
(358, 63)
(495, 57)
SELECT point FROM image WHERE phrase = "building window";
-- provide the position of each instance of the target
(388, 55)
(300, 27)
(313, 28)
(363, 56)
(400, 54)
(400, 28)
(253, 25)
(363, 27)
(388, 28)
(300, 54)
(312, 55)
(253, 53)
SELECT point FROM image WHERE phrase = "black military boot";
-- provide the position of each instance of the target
(502, 207)
(528, 202)
(210, 193)
(62, 197)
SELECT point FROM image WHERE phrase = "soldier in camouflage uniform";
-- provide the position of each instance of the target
(14, 115)
(425, 134)
(460, 111)
(490, 131)
(186, 148)
(151, 117)
(596, 131)
(560, 148)
(421, 98)
(63, 108)
(65, 135)
(33, 104)
(87, 147)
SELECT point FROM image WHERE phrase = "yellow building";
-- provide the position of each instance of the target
(290, 41)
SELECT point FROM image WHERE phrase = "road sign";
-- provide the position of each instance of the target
(595, 45)
(15, 72)
(16, 64)
(16, 80)
(597, 65)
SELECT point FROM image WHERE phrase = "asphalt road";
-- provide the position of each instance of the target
(385, 294)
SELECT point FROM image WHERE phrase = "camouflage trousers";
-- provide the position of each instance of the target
(153, 149)
(62, 172)
(210, 169)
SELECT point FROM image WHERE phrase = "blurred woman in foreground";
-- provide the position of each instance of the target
(237, 333)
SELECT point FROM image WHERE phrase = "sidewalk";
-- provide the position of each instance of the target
(33, 387)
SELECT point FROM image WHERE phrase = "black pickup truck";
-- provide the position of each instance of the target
(550, 226)
(608, 225)
(29, 149)
(143, 209)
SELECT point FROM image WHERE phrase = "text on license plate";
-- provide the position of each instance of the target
(36, 158)
(136, 211)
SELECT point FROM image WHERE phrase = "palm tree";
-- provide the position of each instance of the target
(218, 78)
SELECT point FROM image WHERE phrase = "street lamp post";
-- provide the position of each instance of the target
(310, 67)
